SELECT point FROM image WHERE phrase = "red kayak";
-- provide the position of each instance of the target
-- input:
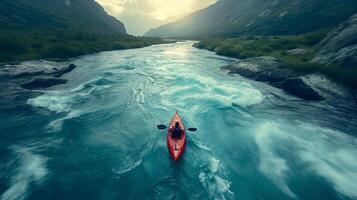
(176, 146)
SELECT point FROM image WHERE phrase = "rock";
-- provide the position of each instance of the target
(340, 45)
(346, 56)
(273, 71)
(297, 51)
(265, 69)
(35, 68)
(297, 87)
(61, 72)
(26, 74)
(329, 89)
(43, 82)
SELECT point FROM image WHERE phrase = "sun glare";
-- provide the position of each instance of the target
(157, 9)
(165, 9)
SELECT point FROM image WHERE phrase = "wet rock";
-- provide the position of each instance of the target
(61, 72)
(27, 74)
(35, 68)
(265, 69)
(272, 71)
(329, 89)
(43, 82)
(297, 87)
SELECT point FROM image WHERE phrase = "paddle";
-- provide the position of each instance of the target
(192, 129)
(161, 127)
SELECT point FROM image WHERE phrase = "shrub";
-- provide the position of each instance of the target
(12, 46)
(60, 51)
(119, 45)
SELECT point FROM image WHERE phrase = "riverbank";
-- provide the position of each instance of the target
(35, 45)
(294, 52)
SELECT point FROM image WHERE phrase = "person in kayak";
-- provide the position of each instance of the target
(176, 131)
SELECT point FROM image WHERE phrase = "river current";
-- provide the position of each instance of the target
(95, 137)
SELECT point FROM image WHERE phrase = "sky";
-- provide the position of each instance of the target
(141, 15)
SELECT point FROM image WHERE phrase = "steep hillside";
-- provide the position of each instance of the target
(58, 14)
(340, 46)
(52, 29)
(260, 17)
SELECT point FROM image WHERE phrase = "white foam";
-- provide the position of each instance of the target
(214, 165)
(223, 185)
(58, 102)
(328, 153)
(273, 166)
(216, 186)
(67, 101)
(202, 146)
(127, 168)
(206, 89)
(56, 125)
(332, 156)
(32, 169)
(64, 100)
(53, 101)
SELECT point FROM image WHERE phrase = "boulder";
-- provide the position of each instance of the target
(272, 71)
(61, 72)
(265, 69)
(329, 89)
(43, 82)
(346, 56)
(35, 68)
(297, 87)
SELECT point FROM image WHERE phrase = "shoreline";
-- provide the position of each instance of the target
(15, 48)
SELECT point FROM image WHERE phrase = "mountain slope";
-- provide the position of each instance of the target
(340, 46)
(57, 29)
(58, 14)
(259, 17)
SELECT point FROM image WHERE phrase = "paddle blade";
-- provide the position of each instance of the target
(192, 129)
(161, 127)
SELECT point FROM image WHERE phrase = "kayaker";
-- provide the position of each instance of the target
(176, 131)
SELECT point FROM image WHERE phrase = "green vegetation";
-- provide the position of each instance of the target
(26, 45)
(277, 46)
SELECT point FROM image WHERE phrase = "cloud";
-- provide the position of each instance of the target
(158, 9)
(154, 10)
(115, 8)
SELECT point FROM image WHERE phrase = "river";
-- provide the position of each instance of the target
(95, 137)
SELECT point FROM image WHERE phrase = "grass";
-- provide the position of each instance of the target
(32, 45)
(277, 46)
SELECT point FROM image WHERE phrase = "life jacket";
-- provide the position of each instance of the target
(176, 133)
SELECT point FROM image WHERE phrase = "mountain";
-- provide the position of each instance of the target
(139, 24)
(73, 15)
(60, 29)
(340, 45)
(259, 17)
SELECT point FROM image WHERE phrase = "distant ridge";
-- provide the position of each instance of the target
(78, 15)
(259, 17)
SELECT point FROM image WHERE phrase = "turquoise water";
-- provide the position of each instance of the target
(96, 137)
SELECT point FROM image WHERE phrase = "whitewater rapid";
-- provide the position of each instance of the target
(95, 137)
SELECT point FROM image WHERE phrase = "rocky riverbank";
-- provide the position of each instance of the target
(307, 86)
(36, 74)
